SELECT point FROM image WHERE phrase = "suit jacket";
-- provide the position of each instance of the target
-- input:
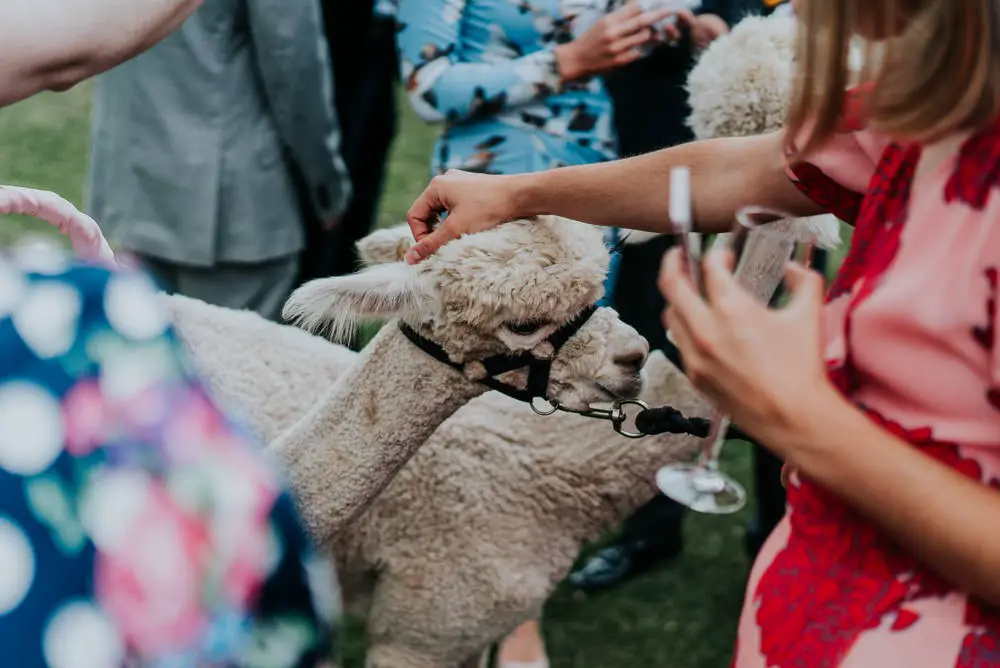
(194, 142)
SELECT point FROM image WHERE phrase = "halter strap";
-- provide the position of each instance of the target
(539, 370)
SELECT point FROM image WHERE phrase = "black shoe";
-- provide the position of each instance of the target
(622, 561)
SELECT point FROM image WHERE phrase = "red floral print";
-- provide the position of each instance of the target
(981, 646)
(985, 335)
(880, 221)
(838, 577)
(827, 193)
(840, 374)
(977, 171)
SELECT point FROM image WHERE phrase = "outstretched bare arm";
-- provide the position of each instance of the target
(633, 193)
(53, 45)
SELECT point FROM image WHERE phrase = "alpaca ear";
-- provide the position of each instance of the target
(335, 306)
(385, 246)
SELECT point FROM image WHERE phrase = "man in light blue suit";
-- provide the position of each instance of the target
(197, 146)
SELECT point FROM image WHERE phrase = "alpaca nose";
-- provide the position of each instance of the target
(634, 358)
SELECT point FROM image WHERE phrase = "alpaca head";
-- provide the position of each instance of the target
(742, 83)
(504, 291)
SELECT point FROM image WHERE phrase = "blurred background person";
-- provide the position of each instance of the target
(362, 39)
(195, 146)
(78, 587)
(651, 111)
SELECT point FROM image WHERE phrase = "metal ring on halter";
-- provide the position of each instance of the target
(618, 420)
(550, 409)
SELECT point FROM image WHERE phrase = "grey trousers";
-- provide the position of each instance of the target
(262, 287)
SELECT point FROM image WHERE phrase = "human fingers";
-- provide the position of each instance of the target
(628, 45)
(641, 22)
(717, 273)
(680, 292)
(628, 10)
(697, 359)
(425, 211)
(685, 17)
(430, 243)
(786, 475)
(805, 288)
(672, 33)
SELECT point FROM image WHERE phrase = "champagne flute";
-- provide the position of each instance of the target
(701, 485)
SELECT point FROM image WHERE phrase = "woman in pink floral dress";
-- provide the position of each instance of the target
(884, 401)
(888, 555)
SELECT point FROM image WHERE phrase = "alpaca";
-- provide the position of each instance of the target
(472, 535)
(512, 290)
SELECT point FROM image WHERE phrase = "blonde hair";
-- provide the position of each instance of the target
(930, 67)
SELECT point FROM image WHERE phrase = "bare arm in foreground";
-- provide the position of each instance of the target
(54, 44)
(726, 174)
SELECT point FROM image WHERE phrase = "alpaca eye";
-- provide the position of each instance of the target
(525, 328)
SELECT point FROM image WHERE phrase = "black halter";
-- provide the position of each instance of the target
(539, 370)
(648, 421)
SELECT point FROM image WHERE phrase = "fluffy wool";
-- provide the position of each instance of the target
(742, 83)
(474, 532)
(472, 535)
(365, 416)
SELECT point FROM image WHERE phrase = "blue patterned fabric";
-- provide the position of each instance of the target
(611, 239)
(138, 525)
(487, 69)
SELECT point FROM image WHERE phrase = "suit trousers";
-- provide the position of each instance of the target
(262, 287)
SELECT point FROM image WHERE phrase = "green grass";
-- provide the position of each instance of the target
(681, 616)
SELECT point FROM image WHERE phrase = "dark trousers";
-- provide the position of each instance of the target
(363, 53)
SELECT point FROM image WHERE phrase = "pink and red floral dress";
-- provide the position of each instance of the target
(911, 337)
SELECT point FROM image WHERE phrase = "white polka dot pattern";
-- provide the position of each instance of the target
(80, 635)
(31, 432)
(18, 566)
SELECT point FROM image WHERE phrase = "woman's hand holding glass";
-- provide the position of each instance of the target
(762, 367)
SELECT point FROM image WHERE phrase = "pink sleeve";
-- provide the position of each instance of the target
(849, 159)
(836, 175)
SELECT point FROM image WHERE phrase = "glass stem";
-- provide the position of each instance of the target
(713, 442)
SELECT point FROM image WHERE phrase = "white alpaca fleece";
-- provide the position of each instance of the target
(741, 85)
(525, 270)
(473, 533)
(366, 419)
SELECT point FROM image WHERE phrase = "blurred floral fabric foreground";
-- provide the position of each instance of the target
(138, 525)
